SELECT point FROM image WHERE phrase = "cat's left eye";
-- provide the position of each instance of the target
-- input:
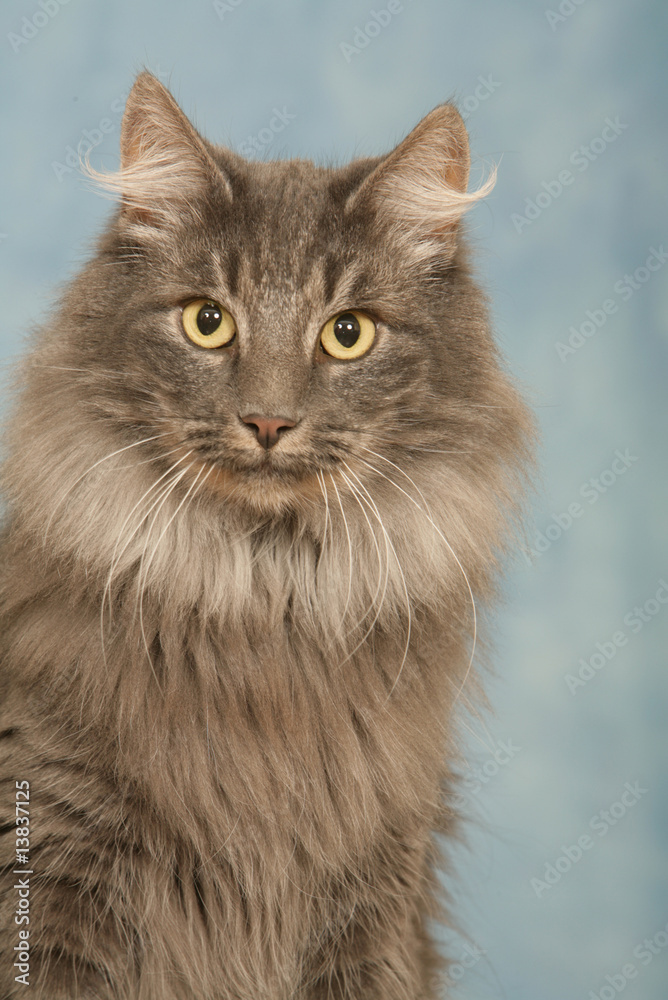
(208, 324)
(348, 335)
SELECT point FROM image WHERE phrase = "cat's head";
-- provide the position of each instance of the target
(286, 340)
(283, 317)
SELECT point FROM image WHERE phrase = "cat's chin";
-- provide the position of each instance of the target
(263, 489)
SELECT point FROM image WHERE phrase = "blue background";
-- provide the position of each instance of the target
(551, 83)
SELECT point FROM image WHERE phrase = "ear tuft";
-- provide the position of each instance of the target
(164, 161)
(420, 188)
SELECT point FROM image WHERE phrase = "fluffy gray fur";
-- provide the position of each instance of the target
(229, 673)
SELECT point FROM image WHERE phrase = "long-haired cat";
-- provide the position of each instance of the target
(261, 465)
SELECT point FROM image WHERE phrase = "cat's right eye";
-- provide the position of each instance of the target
(208, 324)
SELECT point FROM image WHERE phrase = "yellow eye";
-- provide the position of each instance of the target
(348, 335)
(208, 324)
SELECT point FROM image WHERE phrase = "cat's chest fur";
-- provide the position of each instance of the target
(256, 775)
(263, 737)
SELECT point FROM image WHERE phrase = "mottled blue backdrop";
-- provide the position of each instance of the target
(564, 895)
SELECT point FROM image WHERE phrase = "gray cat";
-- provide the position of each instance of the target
(262, 463)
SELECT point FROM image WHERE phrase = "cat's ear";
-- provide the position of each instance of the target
(165, 163)
(420, 188)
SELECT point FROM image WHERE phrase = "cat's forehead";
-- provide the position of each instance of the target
(293, 194)
(287, 181)
(285, 229)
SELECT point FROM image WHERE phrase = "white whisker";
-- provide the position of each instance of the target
(406, 446)
(116, 559)
(145, 567)
(404, 474)
(323, 490)
(142, 574)
(83, 475)
(354, 493)
(350, 554)
(451, 550)
(403, 580)
(147, 461)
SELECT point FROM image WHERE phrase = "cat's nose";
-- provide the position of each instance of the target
(268, 429)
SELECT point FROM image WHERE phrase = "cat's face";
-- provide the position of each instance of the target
(274, 322)
(282, 260)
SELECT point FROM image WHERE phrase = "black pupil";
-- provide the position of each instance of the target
(209, 319)
(347, 329)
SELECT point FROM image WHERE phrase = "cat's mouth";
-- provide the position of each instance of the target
(269, 481)
(265, 486)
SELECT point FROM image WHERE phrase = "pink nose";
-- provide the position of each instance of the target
(268, 429)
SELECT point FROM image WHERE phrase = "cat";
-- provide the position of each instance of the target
(262, 465)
